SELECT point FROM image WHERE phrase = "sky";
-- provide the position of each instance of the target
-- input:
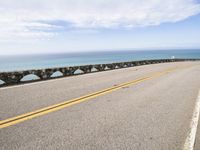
(53, 26)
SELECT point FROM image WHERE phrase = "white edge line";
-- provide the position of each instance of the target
(32, 83)
(190, 140)
(48, 80)
(62, 78)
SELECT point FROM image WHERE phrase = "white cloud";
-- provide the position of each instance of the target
(38, 19)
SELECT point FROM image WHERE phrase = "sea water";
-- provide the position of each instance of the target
(24, 62)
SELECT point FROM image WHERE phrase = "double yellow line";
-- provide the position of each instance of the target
(46, 110)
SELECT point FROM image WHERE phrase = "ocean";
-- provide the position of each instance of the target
(24, 62)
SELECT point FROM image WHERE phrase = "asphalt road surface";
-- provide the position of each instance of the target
(140, 108)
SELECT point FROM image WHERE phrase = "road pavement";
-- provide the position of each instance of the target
(151, 114)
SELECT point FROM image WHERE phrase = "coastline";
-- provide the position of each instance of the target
(26, 76)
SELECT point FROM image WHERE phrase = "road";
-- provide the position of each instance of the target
(152, 111)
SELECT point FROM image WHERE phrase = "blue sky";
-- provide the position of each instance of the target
(49, 26)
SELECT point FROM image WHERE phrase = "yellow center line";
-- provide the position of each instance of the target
(49, 109)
